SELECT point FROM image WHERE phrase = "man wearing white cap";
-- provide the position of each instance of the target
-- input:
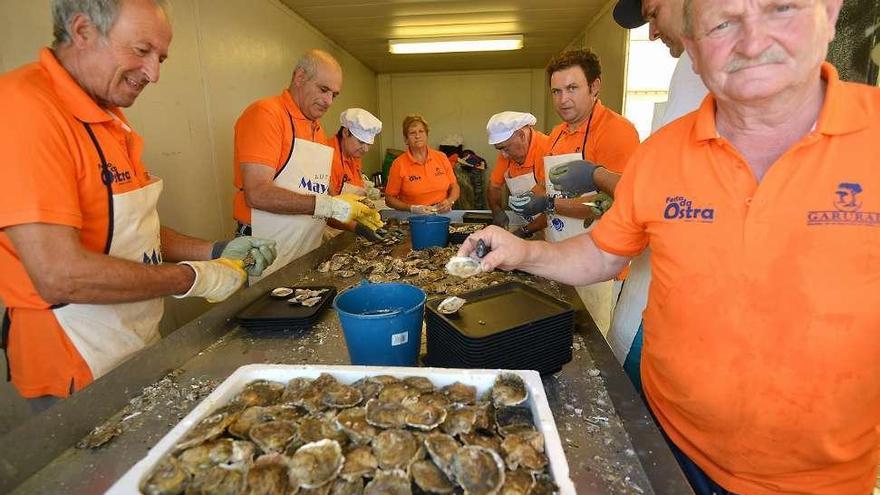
(519, 164)
(357, 131)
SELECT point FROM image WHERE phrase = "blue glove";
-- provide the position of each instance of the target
(261, 251)
(530, 204)
(574, 178)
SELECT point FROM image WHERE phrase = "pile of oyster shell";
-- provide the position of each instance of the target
(378, 435)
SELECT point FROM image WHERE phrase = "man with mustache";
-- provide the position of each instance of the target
(761, 368)
(283, 165)
(81, 247)
(686, 91)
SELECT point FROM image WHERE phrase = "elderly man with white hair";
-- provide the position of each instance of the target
(762, 211)
(82, 251)
(519, 165)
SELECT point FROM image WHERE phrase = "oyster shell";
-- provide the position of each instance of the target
(224, 452)
(463, 266)
(343, 487)
(430, 478)
(261, 393)
(311, 301)
(340, 396)
(255, 415)
(450, 305)
(273, 436)
(394, 482)
(324, 267)
(478, 470)
(524, 450)
(544, 485)
(509, 390)
(207, 429)
(218, 480)
(489, 441)
(314, 428)
(268, 475)
(168, 478)
(281, 292)
(435, 399)
(425, 416)
(386, 414)
(369, 387)
(398, 392)
(395, 449)
(459, 393)
(518, 482)
(296, 390)
(346, 273)
(459, 420)
(316, 464)
(442, 448)
(359, 463)
(509, 420)
(353, 422)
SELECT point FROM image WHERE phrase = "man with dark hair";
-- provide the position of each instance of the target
(82, 251)
(600, 142)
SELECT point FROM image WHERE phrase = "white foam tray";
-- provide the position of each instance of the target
(481, 379)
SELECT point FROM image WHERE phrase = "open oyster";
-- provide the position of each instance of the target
(478, 470)
(218, 479)
(509, 390)
(425, 416)
(459, 393)
(316, 464)
(273, 436)
(207, 429)
(261, 393)
(281, 292)
(450, 305)
(393, 482)
(353, 422)
(386, 414)
(223, 452)
(463, 266)
(430, 478)
(518, 482)
(524, 450)
(341, 396)
(343, 487)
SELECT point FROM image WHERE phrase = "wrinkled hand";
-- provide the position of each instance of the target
(500, 219)
(262, 251)
(422, 210)
(506, 251)
(528, 204)
(367, 233)
(443, 206)
(215, 280)
(574, 178)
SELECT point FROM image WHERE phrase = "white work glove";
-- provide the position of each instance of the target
(216, 280)
(345, 208)
(422, 210)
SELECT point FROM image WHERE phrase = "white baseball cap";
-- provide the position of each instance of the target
(502, 125)
(361, 123)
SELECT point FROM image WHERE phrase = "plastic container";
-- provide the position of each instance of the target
(481, 379)
(382, 323)
(428, 231)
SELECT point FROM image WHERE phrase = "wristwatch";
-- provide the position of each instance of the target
(551, 205)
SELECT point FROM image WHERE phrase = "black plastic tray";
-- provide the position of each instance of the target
(272, 312)
(477, 217)
(501, 308)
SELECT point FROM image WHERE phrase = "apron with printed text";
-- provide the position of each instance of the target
(307, 171)
(107, 334)
(520, 184)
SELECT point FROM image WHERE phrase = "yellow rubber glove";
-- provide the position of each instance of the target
(215, 280)
(347, 207)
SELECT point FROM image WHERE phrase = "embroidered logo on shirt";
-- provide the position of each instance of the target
(414, 178)
(558, 224)
(114, 175)
(438, 172)
(154, 259)
(847, 209)
(682, 208)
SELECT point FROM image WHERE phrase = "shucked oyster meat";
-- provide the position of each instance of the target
(450, 305)
(463, 266)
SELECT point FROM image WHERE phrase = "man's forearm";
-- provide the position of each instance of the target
(574, 207)
(274, 199)
(606, 180)
(576, 261)
(179, 247)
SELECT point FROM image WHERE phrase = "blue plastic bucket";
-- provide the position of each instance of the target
(382, 323)
(428, 230)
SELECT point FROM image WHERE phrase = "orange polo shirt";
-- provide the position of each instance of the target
(263, 136)
(345, 170)
(533, 163)
(762, 330)
(51, 173)
(611, 140)
(417, 184)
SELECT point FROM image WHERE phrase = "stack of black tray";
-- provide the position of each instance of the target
(508, 326)
(471, 217)
(275, 313)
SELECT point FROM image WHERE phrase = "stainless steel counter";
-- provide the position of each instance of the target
(611, 443)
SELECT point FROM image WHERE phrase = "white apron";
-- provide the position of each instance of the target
(520, 184)
(107, 334)
(307, 171)
(597, 297)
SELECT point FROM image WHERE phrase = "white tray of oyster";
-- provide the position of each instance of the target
(295, 429)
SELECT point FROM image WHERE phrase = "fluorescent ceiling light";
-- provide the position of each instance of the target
(461, 44)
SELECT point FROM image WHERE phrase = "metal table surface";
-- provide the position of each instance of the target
(610, 440)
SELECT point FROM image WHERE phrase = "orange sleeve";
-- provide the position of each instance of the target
(619, 231)
(38, 179)
(395, 180)
(497, 177)
(620, 141)
(259, 136)
(336, 172)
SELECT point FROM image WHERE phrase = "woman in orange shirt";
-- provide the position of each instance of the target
(421, 180)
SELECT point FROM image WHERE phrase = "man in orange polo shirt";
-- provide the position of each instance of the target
(762, 211)
(519, 166)
(81, 247)
(283, 163)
